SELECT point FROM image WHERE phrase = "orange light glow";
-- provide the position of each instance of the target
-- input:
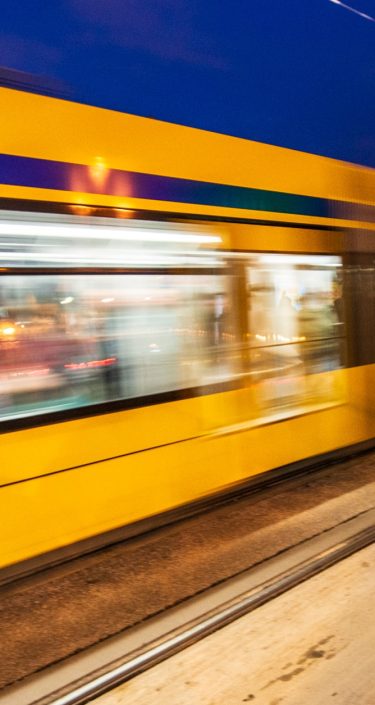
(124, 213)
(99, 171)
(79, 209)
(7, 328)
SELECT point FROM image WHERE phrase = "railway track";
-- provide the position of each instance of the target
(82, 678)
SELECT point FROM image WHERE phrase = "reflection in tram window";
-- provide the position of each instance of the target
(68, 341)
(296, 327)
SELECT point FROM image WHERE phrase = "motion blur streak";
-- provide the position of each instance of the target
(352, 9)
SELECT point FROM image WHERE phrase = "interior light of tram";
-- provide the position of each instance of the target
(72, 231)
(7, 329)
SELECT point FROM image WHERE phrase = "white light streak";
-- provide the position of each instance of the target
(97, 232)
(307, 260)
(352, 9)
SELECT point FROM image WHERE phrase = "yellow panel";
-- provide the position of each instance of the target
(43, 513)
(69, 132)
(65, 445)
(284, 239)
(52, 511)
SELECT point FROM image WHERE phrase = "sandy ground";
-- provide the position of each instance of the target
(314, 645)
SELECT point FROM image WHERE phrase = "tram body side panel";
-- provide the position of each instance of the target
(48, 512)
(289, 405)
(64, 482)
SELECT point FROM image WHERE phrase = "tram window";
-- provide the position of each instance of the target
(295, 326)
(68, 341)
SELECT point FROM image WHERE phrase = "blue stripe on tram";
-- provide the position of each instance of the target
(63, 176)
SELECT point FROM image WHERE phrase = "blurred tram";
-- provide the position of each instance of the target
(180, 312)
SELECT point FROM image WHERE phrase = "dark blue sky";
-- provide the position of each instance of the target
(295, 73)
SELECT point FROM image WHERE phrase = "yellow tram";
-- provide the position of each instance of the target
(180, 311)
